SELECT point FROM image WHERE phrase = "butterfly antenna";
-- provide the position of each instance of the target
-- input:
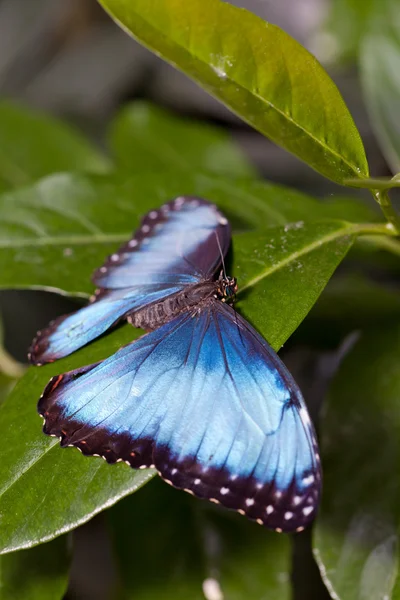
(222, 256)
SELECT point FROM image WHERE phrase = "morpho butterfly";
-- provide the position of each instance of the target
(201, 397)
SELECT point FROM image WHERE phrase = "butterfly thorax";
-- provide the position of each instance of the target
(153, 316)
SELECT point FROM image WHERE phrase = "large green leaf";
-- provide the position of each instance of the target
(44, 490)
(281, 272)
(380, 59)
(36, 574)
(33, 145)
(257, 70)
(147, 138)
(55, 233)
(182, 547)
(357, 532)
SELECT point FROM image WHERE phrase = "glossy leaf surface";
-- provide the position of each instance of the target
(257, 70)
(184, 548)
(282, 272)
(144, 137)
(44, 490)
(55, 233)
(33, 145)
(356, 535)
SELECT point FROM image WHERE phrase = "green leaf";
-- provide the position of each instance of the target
(147, 138)
(37, 574)
(55, 233)
(184, 548)
(45, 490)
(257, 70)
(282, 272)
(33, 145)
(380, 58)
(357, 532)
(6, 385)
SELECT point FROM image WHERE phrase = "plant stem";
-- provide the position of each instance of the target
(9, 366)
(383, 229)
(382, 198)
(390, 244)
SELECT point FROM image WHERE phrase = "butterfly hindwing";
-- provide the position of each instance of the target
(205, 400)
(176, 246)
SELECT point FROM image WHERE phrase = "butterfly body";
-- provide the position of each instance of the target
(202, 397)
(153, 316)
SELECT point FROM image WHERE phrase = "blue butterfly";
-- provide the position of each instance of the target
(201, 397)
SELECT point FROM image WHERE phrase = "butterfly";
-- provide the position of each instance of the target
(201, 396)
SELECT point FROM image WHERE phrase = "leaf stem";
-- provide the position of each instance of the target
(384, 242)
(9, 366)
(382, 198)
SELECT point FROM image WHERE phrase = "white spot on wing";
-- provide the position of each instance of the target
(146, 228)
(269, 509)
(223, 221)
(307, 510)
(197, 481)
(132, 243)
(153, 214)
(224, 491)
(288, 515)
(308, 480)
(249, 501)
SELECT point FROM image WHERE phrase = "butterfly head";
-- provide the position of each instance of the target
(227, 288)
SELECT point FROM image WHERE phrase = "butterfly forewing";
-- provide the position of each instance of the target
(176, 246)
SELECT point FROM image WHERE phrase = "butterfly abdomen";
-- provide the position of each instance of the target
(157, 314)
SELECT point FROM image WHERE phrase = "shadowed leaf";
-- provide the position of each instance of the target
(356, 535)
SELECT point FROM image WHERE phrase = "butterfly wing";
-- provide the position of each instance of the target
(176, 246)
(208, 402)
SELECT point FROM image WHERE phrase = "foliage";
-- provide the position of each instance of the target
(369, 31)
(64, 206)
